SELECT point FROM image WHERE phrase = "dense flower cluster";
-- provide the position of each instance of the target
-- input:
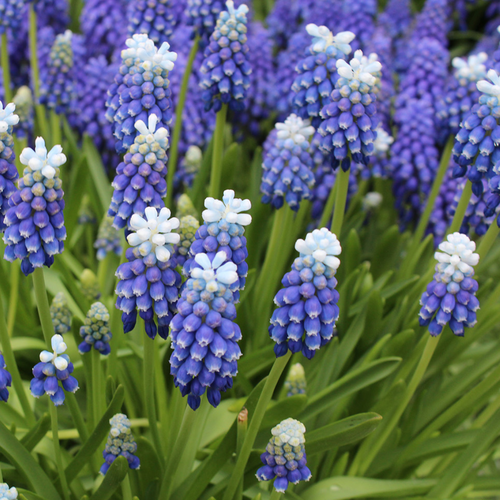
(295, 382)
(187, 231)
(54, 367)
(149, 281)
(307, 304)
(5, 380)
(95, 331)
(90, 285)
(7, 493)
(108, 239)
(359, 17)
(35, 222)
(23, 101)
(285, 457)
(203, 15)
(155, 18)
(120, 442)
(60, 314)
(10, 15)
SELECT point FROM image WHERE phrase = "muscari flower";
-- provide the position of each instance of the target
(8, 169)
(359, 17)
(451, 297)
(155, 18)
(90, 285)
(283, 21)
(187, 230)
(108, 239)
(203, 15)
(95, 331)
(396, 17)
(120, 442)
(5, 381)
(225, 69)
(140, 179)
(60, 314)
(379, 162)
(189, 166)
(204, 334)
(23, 101)
(287, 167)
(307, 303)
(223, 229)
(10, 15)
(317, 71)
(433, 21)
(350, 119)
(285, 456)
(140, 89)
(149, 281)
(7, 493)
(35, 221)
(54, 367)
(295, 382)
(321, 12)
(185, 207)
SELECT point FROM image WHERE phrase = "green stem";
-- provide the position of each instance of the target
(179, 110)
(10, 361)
(369, 450)
(275, 495)
(254, 426)
(342, 182)
(488, 240)
(149, 393)
(436, 186)
(57, 450)
(6, 69)
(91, 252)
(96, 385)
(55, 124)
(126, 488)
(43, 305)
(328, 210)
(461, 208)
(77, 417)
(15, 271)
(215, 176)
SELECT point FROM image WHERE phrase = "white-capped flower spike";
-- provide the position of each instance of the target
(144, 52)
(39, 159)
(361, 68)
(324, 38)
(295, 128)
(488, 88)
(59, 347)
(382, 142)
(7, 493)
(458, 253)
(150, 132)
(472, 68)
(154, 233)
(229, 208)
(7, 117)
(322, 245)
(214, 272)
(234, 13)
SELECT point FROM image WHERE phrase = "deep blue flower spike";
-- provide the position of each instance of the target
(95, 332)
(5, 380)
(155, 18)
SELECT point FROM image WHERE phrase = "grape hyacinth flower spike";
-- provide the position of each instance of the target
(287, 167)
(202, 15)
(95, 332)
(8, 170)
(120, 442)
(153, 17)
(295, 382)
(225, 69)
(451, 297)
(318, 72)
(140, 179)
(35, 221)
(285, 456)
(350, 120)
(204, 334)
(108, 239)
(60, 314)
(187, 231)
(307, 303)
(149, 281)
(23, 101)
(5, 380)
(7, 493)
(54, 367)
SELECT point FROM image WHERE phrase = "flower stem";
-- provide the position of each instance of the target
(43, 305)
(342, 182)
(77, 417)
(55, 123)
(57, 450)
(15, 270)
(126, 488)
(215, 176)
(275, 495)
(149, 394)
(174, 150)
(10, 361)
(96, 376)
(461, 208)
(328, 210)
(6, 69)
(253, 428)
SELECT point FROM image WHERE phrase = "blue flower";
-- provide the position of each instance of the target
(10, 15)
(149, 281)
(187, 230)
(396, 18)
(307, 303)
(54, 367)
(140, 179)
(155, 18)
(141, 89)
(203, 15)
(204, 334)
(35, 221)
(283, 21)
(285, 456)
(23, 101)
(359, 17)
(5, 380)
(120, 442)
(223, 230)
(95, 331)
(108, 239)
(8, 169)
(7, 493)
(451, 297)
(295, 382)
(350, 119)
(317, 71)
(379, 162)
(60, 314)
(225, 69)
(434, 21)
(287, 167)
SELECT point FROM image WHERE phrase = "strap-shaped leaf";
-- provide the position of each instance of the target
(35, 435)
(112, 480)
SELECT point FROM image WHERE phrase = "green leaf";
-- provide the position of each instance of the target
(346, 488)
(96, 438)
(25, 343)
(26, 465)
(400, 344)
(386, 251)
(28, 495)
(112, 480)
(350, 383)
(353, 257)
(288, 407)
(344, 432)
(197, 192)
(35, 435)
(256, 362)
(150, 471)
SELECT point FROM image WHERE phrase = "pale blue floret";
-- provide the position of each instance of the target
(7, 493)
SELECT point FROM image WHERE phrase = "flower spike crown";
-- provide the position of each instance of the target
(40, 160)
(229, 208)
(150, 133)
(307, 304)
(490, 89)
(323, 39)
(7, 493)
(7, 117)
(451, 297)
(212, 273)
(382, 143)
(296, 129)
(360, 69)
(144, 53)
(472, 68)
